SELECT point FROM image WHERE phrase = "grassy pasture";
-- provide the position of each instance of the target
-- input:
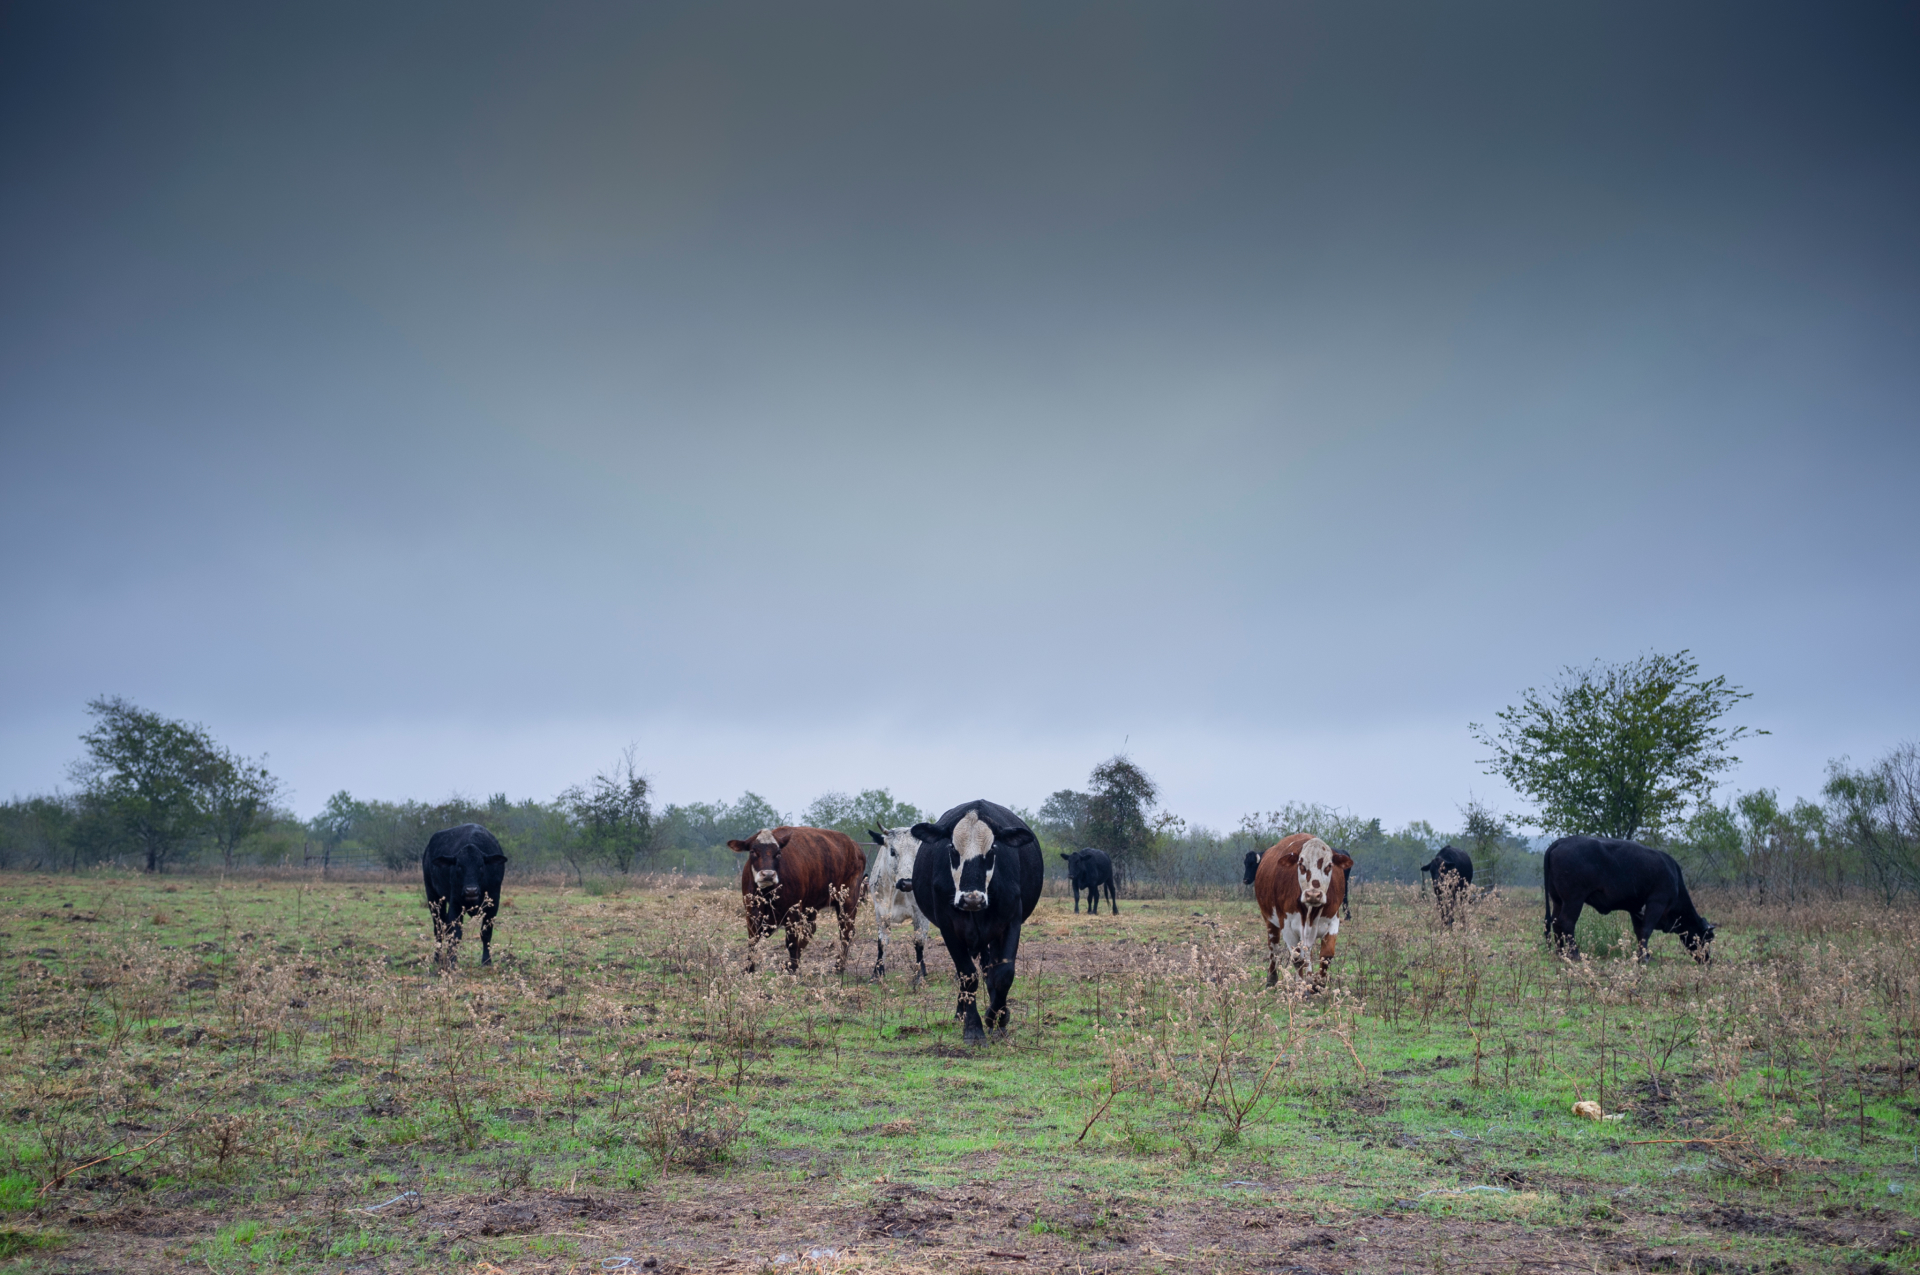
(227, 1076)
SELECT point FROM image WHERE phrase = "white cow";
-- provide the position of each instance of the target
(890, 888)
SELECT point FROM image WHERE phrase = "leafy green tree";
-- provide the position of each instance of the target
(238, 796)
(1617, 749)
(1486, 834)
(336, 824)
(147, 775)
(700, 825)
(1877, 809)
(1119, 797)
(613, 814)
(873, 808)
(1063, 818)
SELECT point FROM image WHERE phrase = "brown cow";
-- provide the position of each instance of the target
(792, 873)
(1300, 884)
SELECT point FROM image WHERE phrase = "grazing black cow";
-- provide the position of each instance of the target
(1089, 870)
(1611, 876)
(1452, 873)
(978, 876)
(464, 869)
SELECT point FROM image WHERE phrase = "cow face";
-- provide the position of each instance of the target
(1315, 862)
(463, 872)
(763, 859)
(1252, 866)
(893, 858)
(972, 861)
(1700, 941)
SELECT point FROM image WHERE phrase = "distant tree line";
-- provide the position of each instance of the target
(1626, 750)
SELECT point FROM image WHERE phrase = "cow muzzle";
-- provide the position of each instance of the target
(970, 900)
(472, 897)
(766, 880)
(1314, 900)
(904, 883)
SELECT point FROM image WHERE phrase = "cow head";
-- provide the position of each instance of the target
(972, 861)
(1315, 862)
(763, 858)
(1698, 936)
(894, 857)
(1252, 866)
(463, 871)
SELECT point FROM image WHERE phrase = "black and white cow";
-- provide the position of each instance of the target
(1608, 875)
(890, 889)
(978, 876)
(1452, 873)
(1089, 870)
(465, 869)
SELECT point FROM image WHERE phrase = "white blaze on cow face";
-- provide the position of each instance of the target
(972, 839)
(1316, 872)
(766, 862)
(890, 876)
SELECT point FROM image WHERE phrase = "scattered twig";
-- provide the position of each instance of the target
(372, 1208)
(1009, 1257)
(1707, 1142)
(116, 1155)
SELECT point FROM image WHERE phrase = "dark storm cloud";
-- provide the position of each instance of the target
(448, 395)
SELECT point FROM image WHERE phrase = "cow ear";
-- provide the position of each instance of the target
(496, 858)
(1017, 838)
(738, 845)
(926, 832)
(879, 839)
(1344, 859)
(782, 841)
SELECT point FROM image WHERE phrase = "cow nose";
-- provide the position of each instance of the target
(473, 893)
(971, 900)
(904, 883)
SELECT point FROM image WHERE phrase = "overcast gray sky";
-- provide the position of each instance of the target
(940, 396)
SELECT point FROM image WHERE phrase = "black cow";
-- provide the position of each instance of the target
(1452, 873)
(978, 876)
(1610, 876)
(1089, 870)
(464, 868)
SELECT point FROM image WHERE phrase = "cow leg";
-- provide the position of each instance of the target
(880, 950)
(1273, 954)
(1643, 931)
(1566, 917)
(1113, 900)
(758, 923)
(1328, 929)
(999, 979)
(847, 918)
(1076, 900)
(968, 1008)
(1293, 933)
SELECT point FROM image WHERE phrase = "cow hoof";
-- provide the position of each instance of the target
(974, 1036)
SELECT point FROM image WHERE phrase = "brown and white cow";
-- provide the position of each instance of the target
(1300, 884)
(790, 875)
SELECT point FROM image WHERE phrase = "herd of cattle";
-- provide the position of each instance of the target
(976, 874)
